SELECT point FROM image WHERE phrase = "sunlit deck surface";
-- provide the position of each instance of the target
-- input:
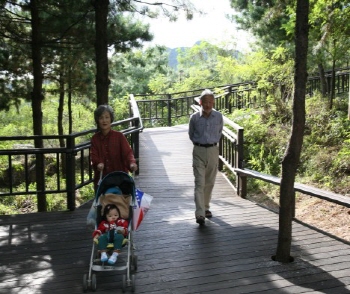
(50, 252)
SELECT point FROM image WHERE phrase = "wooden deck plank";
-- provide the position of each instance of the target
(49, 252)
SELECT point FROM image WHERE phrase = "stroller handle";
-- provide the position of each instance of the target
(100, 180)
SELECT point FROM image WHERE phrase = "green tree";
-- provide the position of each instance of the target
(199, 65)
(102, 8)
(15, 56)
(131, 72)
(329, 38)
(328, 19)
(265, 19)
(28, 30)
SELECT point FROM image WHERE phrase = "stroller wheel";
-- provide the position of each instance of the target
(124, 283)
(134, 262)
(133, 283)
(93, 282)
(85, 283)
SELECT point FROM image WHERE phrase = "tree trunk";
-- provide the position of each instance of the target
(60, 108)
(101, 51)
(60, 120)
(292, 155)
(323, 80)
(332, 94)
(37, 97)
(349, 99)
(70, 90)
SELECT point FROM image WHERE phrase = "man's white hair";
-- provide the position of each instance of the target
(206, 92)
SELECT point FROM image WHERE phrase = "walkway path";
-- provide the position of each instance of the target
(49, 252)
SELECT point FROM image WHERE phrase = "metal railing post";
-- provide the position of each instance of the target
(40, 182)
(40, 175)
(221, 144)
(227, 98)
(241, 180)
(135, 138)
(70, 180)
(169, 109)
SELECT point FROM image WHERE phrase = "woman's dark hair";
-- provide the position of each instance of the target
(101, 109)
(108, 208)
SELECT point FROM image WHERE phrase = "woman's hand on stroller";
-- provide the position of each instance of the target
(133, 167)
(100, 166)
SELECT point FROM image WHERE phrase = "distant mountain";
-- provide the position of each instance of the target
(173, 53)
(172, 61)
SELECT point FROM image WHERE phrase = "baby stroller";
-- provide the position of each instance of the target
(115, 188)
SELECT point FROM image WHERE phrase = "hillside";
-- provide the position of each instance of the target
(173, 53)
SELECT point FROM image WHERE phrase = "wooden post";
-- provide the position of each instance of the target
(40, 182)
(135, 138)
(241, 180)
(221, 164)
(70, 180)
(169, 110)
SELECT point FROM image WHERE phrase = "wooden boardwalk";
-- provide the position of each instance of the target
(49, 252)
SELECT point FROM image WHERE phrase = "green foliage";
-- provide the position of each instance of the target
(326, 155)
(265, 19)
(326, 143)
(329, 32)
(132, 72)
(82, 117)
(17, 204)
(325, 158)
(161, 83)
(121, 108)
(85, 194)
(273, 24)
(201, 66)
(263, 143)
(227, 68)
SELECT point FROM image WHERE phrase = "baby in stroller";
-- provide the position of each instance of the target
(111, 215)
(112, 229)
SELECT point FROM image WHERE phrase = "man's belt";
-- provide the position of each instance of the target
(205, 145)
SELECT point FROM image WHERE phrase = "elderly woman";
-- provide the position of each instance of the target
(110, 150)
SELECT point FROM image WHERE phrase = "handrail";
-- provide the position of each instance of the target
(231, 156)
(163, 109)
(135, 111)
(231, 144)
(71, 162)
(302, 188)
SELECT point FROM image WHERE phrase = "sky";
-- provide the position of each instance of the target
(213, 27)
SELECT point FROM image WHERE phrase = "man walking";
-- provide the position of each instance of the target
(205, 129)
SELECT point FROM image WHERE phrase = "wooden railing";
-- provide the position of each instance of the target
(70, 164)
(231, 159)
(341, 82)
(169, 109)
(165, 109)
(302, 188)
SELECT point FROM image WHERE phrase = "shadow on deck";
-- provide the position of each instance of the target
(49, 252)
